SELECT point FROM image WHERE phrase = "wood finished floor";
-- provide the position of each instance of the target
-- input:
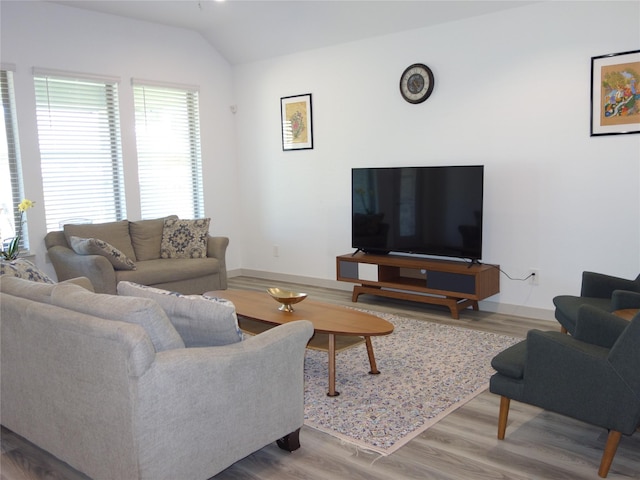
(462, 446)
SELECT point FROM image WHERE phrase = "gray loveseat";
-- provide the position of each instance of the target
(127, 399)
(140, 241)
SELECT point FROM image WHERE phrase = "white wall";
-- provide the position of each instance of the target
(512, 92)
(45, 35)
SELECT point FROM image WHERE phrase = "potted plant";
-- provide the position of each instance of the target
(13, 249)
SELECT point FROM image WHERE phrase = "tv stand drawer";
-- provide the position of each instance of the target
(453, 282)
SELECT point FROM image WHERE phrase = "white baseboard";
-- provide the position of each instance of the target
(520, 311)
(283, 277)
(485, 305)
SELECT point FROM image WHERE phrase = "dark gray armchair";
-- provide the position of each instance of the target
(599, 382)
(599, 290)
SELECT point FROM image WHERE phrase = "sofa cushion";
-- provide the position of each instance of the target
(141, 311)
(185, 238)
(152, 272)
(23, 268)
(146, 237)
(114, 233)
(37, 291)
(95, 246)
(201, 321)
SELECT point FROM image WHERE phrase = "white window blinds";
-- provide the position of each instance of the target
(168, 143)
(79, 134)
(11, 188)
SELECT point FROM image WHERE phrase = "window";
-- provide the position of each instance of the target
(79, 135)
(168, 142)
(11, 189)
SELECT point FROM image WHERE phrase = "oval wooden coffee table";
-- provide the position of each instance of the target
(257, 311)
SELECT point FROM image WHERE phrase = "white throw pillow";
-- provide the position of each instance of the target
(200, 321)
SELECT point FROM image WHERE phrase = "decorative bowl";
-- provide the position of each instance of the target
(285, 298)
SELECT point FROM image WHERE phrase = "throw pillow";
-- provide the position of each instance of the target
(200, 321)
(23, 268)
(185, 238)
(95, 246)
(114, 233)
(139, 311)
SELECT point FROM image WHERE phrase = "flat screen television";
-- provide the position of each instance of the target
(419, 210)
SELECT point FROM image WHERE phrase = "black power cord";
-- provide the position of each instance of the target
(531, 275)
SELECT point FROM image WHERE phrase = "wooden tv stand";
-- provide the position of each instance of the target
(454, 284)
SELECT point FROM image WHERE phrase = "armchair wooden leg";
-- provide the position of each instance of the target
(609, 452)
(503, 416)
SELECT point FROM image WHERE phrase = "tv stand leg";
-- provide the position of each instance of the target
(359, 290)
(456, 307)
(356, 293)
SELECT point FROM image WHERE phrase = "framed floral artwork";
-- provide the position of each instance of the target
(615, 93)
(297, 122)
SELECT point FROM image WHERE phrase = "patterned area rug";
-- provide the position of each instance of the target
(427, 371)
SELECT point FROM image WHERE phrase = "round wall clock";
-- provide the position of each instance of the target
(416, 83)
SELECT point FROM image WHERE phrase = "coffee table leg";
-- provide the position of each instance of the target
(372, 359)
(332, 366)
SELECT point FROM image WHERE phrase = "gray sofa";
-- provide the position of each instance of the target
(107, 384)
(139, 241)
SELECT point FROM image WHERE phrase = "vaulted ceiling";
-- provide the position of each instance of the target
(250, 30)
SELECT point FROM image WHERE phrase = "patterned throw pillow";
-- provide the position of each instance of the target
(185, 238)
(114, 233)
(95, 246)
(22, 268)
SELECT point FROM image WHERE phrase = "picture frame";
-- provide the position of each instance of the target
(615, 93)
(297, 122)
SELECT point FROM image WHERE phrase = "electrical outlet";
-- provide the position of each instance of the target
(276, 251)
(534, 276)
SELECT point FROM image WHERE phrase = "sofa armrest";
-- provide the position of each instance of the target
(230, 400)
(217, 248)
(96, 268)
(599, 285)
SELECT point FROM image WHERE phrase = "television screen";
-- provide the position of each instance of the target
(423, 210)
